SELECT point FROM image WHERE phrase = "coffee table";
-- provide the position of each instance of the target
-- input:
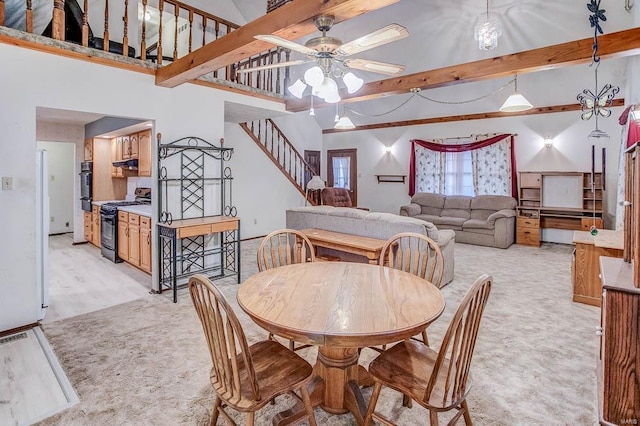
(341, 307)
(363, 246)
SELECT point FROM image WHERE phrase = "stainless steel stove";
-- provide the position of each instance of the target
(109, 222)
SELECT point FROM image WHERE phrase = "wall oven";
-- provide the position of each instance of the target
(86, 185)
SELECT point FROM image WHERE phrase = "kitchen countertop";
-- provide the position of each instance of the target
(99, 203)
(141, 209)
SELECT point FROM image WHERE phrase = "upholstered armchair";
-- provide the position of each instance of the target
(337, 197)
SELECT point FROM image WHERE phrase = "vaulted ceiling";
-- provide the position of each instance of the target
(441, 35)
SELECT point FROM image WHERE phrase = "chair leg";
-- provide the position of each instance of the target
(251, 418)
(372, 403)
(406, 401)
(465, 413)
(214, 415)
(307, 405)
(433, 418)
(292, 345)
(425, 339)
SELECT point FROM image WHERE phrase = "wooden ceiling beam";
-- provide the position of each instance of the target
(619, 44)
(291, 21)
(466, 117)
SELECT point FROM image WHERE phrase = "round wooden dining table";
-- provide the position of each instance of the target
(340, 307)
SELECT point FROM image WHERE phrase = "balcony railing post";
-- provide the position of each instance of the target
(2, 13)
(105, 47)
(29, 17)
(143, 42)
(161, 9)
(85, 24)
(58, 32)
(190, 30)
(176, 13)
(125, 37)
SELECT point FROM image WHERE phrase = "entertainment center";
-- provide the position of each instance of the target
(559, 200)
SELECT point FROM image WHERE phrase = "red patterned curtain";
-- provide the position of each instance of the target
(437, 147)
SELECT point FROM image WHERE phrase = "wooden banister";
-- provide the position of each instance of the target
(58, 31)
(125, 37)
(29, 24)
(143, 42)
(85, 24)
(1, 12)
(105, 47)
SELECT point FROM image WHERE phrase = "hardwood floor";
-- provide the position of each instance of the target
(82, 281)
(34, 385)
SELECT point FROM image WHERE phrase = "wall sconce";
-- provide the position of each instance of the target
(548, 142)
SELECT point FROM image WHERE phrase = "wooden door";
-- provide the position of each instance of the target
(133, 145)
(144, 153)
(145, 247)
(313, 159)
(126, 148)
(342, 171)
(123, 239)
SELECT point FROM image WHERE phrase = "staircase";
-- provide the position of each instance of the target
(282, 153)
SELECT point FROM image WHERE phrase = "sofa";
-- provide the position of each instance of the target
(485, 220)
(374, 225)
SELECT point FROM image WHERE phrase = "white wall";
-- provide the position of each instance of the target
(63, 83)
(571, 152)
(61, 167)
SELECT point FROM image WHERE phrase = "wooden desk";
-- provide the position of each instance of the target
(362, 246)
(193, 256)
(341, 307)
(585, 271)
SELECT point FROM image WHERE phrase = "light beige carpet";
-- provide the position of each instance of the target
(146, 362)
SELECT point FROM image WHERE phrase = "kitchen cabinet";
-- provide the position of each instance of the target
(95, 226)
(134, 239)
(144, 153)
(126, 148)
(145, 243)
(88, 150)
(116, 155)
(88, 222)
(123, 235)
(133, 145)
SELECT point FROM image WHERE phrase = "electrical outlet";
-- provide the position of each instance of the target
(66, 224)
(7, 183)
(53, 219)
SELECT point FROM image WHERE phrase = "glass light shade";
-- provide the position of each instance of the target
(327, 88)
(344, 123)
(297, 88)
(515, 103)
(333, 98)
(487, 30)
(548, 142)
(352, 82)
(315, 183)
(314, 76)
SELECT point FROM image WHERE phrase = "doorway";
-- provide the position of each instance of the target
(313, 160)
(342, 171)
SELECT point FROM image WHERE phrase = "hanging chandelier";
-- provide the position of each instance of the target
(487, 30)
(598, 102)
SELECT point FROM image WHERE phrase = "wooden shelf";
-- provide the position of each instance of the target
(391, 178)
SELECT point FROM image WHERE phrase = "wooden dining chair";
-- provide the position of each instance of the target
(416, 254)
(244, 377)
(439, 381)
(285, 247)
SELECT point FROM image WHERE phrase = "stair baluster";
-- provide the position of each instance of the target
(125, 38)
(29, 17)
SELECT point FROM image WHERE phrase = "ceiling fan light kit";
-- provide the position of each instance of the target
(487, 30)
(297, 88)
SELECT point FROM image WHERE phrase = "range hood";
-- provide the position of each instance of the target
(127, 164)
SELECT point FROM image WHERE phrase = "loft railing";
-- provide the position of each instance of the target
(152, 30)
(281, 152)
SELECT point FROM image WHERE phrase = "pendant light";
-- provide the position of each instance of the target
(516, 102)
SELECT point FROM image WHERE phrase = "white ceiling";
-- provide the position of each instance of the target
(65, 116)
(441, 34)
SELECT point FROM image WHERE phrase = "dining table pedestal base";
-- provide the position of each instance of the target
(335, 387)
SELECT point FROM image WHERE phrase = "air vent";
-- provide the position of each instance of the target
(13, 338)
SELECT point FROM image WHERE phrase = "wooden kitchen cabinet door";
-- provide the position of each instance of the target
(144, 153)
(96, 235)
(88, 150)
(116, 155)
(88, 222)
(123, 238)
(126, 148)
(133, 145)
(134, 239)
(145, 248)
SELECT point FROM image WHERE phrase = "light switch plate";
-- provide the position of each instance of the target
(7, 183)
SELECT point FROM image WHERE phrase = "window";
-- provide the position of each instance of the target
(458, 175)
(341, 172)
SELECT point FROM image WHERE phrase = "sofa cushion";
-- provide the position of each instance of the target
(449, 220)
(481, 214)
(430, 203)
(477, 224)
(493, 202)
(393, 220)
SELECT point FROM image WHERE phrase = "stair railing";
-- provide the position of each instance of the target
(281, 151)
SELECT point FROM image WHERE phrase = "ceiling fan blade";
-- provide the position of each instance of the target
(377, 38)
(283, 42)
(266, 67)
(374, 66)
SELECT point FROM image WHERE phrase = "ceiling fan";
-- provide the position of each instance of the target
(329, 53)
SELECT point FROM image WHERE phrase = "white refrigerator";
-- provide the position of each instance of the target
(42, 232)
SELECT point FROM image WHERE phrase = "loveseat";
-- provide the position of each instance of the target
(375, 225)
(485, 220)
